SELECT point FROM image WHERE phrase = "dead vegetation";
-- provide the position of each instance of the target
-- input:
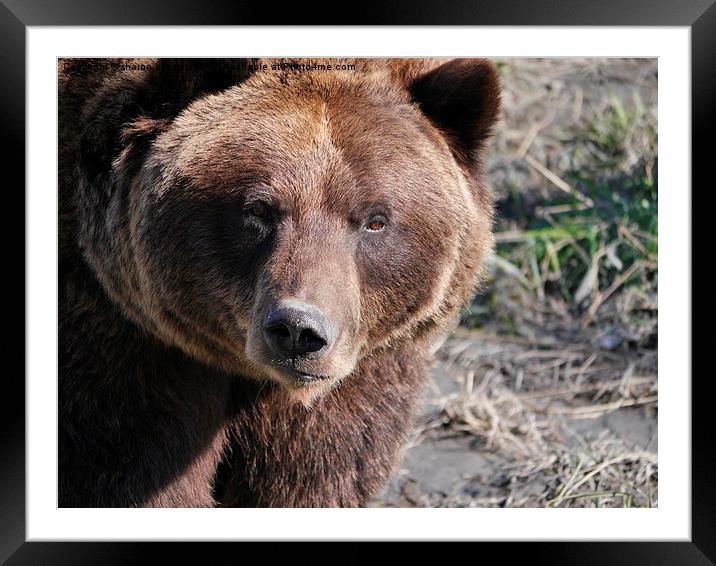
(517, 398)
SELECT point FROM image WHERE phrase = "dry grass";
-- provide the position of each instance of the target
(517, 399)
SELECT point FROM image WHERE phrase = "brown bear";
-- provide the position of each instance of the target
(256, 260)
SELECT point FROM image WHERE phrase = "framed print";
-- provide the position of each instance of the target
(363, 283)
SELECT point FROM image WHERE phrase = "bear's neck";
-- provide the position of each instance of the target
(156, 418)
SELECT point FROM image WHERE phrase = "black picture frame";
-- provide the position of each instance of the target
(16, 15)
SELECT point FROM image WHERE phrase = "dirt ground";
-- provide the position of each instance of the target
(558, 408)
(485, 440)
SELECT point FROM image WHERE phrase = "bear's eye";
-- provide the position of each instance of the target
(259, 209)
(376, 224)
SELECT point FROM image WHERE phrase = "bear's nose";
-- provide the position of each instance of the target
(294, 328)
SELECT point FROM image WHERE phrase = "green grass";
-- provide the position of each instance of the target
(602, 236)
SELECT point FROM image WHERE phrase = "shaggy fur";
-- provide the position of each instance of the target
(197, 194)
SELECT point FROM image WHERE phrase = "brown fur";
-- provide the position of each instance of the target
(169, 394)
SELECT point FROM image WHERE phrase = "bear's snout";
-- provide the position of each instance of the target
(293, 328)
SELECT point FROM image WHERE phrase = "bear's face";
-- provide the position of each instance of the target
(287, 227)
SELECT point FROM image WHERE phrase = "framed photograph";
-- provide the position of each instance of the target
(392, 282)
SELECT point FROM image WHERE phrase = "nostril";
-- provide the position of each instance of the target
(279, 330)
(310, 341)
(278, 335)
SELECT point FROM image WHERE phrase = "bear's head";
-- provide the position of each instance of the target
(286, 224)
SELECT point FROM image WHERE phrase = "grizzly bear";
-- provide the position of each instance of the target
(257, 259)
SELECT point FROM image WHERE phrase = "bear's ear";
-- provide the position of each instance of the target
(172, 84)
(134, 106)
(462, 99)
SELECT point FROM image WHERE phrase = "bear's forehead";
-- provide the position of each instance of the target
(304, 139)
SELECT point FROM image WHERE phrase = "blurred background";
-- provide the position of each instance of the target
(546, 395)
